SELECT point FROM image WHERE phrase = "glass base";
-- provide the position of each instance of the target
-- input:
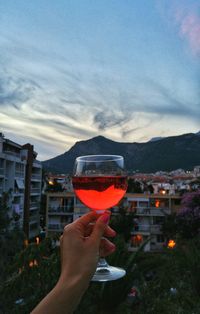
(108, 273)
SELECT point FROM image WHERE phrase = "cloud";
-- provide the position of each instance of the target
(15, 91)
(188, 21)
(184, 16)
(54, 104)
(107, 119)
(166, 102)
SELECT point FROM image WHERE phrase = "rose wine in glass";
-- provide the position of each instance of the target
(100, 182)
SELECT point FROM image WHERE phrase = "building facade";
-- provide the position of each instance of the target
(21, 178)
(62, 208)
(149, 213)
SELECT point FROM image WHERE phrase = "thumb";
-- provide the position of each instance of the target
(99, 228)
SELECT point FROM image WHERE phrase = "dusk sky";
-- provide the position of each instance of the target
(74, 69)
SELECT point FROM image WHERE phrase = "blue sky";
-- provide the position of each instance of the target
(71, 70)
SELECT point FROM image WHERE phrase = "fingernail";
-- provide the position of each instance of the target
(105, 218)
(112, 249)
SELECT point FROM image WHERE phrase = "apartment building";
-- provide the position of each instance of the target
(62, 208)
(21, 177)
(149, 212)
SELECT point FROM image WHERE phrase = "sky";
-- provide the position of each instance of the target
(71, 70)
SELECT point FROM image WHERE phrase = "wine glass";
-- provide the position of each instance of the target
(100, 182)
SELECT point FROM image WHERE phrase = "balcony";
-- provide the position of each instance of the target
(18, 191)
(37, 164)
(35, 190)
(65, 210)
(36, 176)
(2, 172)
(17, 207)
(19, 174)
(155, 229)
(141, 228)
(151, 211)
(34, 205)
(9, 152)
(157, 247)
(57, 226)
(34, 218)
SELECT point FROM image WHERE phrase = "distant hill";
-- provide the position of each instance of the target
(153, 139)
(164, 154)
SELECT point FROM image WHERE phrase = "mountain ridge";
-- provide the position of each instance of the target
(166, 154)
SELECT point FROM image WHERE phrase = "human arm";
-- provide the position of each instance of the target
(81, 244)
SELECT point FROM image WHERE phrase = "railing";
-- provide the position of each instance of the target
(19, 174)
(36, 176)
(155, 228)
(12, 153)
(35, 190)
(17, 207)
(36, 162)
(142, 228)
(156, 247)
(61, 209)
(34, 205)
(147, 228)
(34, 218)
(57, 226)
(151, 211)
(18, 191)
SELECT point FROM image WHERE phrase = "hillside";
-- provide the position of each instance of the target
(165, 154)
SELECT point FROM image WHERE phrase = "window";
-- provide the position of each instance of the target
(158, 220)
(20, 184)
(160, 238)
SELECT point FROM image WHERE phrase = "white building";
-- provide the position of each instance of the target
(149, 213)
(62, 208)
(21, 177)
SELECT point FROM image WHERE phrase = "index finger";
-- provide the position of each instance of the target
(88, 218)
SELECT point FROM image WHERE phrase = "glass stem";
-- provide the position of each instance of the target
(102, 262)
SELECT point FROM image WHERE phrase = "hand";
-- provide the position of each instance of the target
(82, 245)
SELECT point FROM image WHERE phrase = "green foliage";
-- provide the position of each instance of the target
(4, 217)
(167, 282)
(110, 297)
(11, 240)
(30, 283)
(186, 223)
(122, 223)
(134, 186)
(174, 284)
(188, 218)
(169, 227)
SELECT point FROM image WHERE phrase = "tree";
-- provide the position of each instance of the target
(122, 223)
(33, 273)
(186, 223)
(4, 209)
(188, 218)
(11, 240)
(134, 186)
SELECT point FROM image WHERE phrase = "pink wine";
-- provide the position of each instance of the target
(100, 192)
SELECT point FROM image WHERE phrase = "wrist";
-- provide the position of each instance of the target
(75, 283)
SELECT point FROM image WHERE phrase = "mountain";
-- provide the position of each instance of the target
(153, 139)
(165, 154)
